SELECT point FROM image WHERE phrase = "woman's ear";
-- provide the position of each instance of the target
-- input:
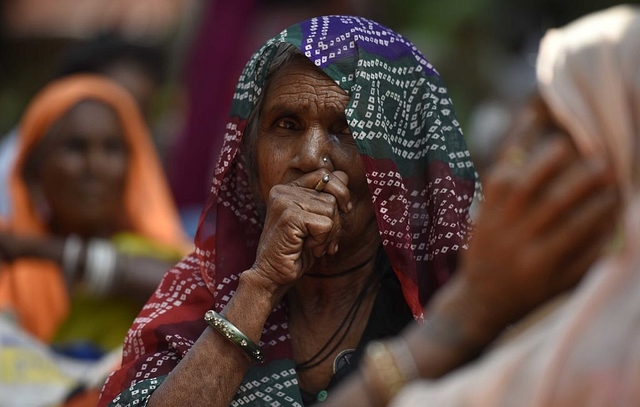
(253, 178)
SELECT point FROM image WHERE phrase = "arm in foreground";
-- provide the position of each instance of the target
(170, 351)
(542, 225)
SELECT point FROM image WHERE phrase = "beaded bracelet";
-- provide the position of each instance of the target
(71, 258)
(100, 269)
(229, 331)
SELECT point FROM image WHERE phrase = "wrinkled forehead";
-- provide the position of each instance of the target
(299, 77)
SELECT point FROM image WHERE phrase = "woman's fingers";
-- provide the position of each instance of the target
(594, 218)
(544, 222)
(329, 183)
(329, 197)
(535, 174)
(565, 194)
(281, 255)
(319, 237)
(302, 223)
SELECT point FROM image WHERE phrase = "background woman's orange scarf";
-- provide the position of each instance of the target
(35, 289)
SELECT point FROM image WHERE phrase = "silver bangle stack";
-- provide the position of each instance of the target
(387, 367)
(71, 258)
(100, 268)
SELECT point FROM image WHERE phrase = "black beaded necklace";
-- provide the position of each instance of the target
(325, 352)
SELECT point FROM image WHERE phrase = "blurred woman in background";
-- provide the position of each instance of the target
(93, 227)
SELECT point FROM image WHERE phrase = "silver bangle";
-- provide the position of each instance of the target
(229, 331)
(100, 266)
(71, 257)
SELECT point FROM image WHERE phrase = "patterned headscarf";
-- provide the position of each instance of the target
(418, 169)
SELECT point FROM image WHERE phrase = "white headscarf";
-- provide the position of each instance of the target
(589, 75)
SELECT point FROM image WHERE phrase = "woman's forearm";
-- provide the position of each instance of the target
(213, 369)
(457, 329)
(137, 277)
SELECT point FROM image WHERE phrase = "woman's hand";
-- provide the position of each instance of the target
(301, 225)
(544, 222)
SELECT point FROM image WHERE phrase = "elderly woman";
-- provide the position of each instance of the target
(93, 228)
(581, 349)
(339, 203)
(338, 207)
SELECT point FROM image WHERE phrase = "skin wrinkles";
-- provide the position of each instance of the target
(301, 121)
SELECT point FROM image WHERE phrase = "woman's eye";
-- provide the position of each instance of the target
(345, 131)
(287, 124)
(115, 146)
(74, 144)
(342, 132)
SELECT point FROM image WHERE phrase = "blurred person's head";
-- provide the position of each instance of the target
(78, 170)
(588, 87)
(85, 163)
(589, 77)
(137, 67)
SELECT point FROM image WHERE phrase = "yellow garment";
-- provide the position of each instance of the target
(136, 245)
(105, 321)
(100, 321)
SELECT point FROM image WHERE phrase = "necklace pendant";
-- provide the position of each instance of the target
(343, 359)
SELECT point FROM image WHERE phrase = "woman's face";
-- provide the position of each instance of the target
(303, 120)
(82, 170)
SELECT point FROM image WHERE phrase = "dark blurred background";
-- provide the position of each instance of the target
(484, 49)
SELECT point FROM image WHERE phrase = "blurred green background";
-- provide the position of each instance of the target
(484, 49)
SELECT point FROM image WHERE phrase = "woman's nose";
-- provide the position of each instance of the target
(314, 150)
(97, 161)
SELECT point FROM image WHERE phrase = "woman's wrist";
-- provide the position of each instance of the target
(261, 288)
(249, 307)
(457, 328)
(458, 317)
(43, 248)
(386, 368)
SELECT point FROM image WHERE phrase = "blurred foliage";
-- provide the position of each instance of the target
(469, 41)
(25, 66)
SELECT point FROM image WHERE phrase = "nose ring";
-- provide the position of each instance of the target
(325, 159)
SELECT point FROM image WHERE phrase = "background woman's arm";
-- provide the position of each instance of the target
(542, 226)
